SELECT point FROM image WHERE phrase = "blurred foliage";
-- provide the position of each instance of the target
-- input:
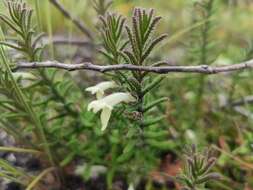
(183, 109)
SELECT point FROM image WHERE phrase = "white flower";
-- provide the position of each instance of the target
(107, 103)
(100, 88)
(131, 186)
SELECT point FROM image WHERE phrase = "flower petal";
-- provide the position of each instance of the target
(105, 117)
(117, 98)
(94, 105)
(101, 87)
(92, 89)
(99, 94)
(131, 187)
(90, 106)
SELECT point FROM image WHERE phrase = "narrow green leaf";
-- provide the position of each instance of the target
(11, 45)
(162, 145)
(158, 134)
(125, 156)
(153, 84)
(152, 46)
(154, 103)
(129, 147)
(153, 121)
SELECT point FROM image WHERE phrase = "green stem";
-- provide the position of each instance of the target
(39, 177)
(203, 58)
(19, 150)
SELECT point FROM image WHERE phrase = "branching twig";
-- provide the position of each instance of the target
(203, 69)
(243, 101)
(244, 112)
(68, 15)
(240, 102)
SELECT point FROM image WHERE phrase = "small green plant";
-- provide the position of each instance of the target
(51, 116)
(112, 34)
(20, 21)
(29, 45)
(121, 44)
(23, 109)
(131, 45)
(197, 169)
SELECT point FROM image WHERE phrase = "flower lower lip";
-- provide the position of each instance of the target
(107, 104)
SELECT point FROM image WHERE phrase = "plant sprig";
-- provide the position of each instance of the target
(19, 97)
(134, 45)
(141, 36)
(20, 21)
(112, 36)
(197, 169)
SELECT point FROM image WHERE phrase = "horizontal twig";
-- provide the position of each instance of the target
(203, 69)
(69, 16)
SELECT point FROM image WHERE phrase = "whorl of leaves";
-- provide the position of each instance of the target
(20, 20)
(141, 36)
(197, 168)
(112, 33)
